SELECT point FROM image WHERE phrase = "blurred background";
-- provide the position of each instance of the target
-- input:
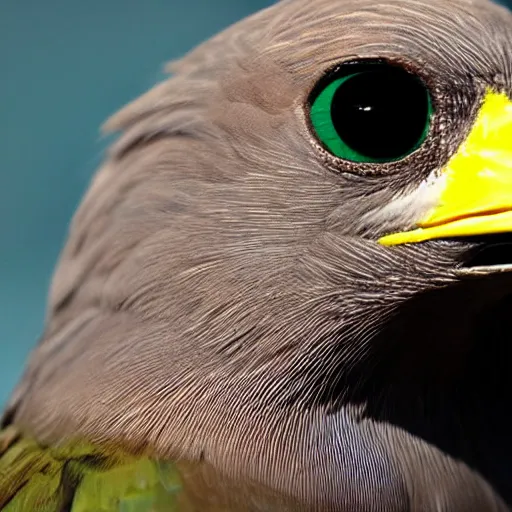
(65, 66)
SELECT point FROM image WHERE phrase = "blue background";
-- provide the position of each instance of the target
(65, 66)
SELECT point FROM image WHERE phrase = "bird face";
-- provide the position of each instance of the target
(418, 123)
(411, 118)
(366, 146)
(387, 124)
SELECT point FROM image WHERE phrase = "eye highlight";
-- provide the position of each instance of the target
(374, 113)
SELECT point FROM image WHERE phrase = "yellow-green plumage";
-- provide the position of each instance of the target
(79, 478)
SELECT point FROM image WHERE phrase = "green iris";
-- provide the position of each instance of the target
(377, 113)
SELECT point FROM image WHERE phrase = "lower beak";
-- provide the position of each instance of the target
(477, 194)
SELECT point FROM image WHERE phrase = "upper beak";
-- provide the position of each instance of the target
(477, 195)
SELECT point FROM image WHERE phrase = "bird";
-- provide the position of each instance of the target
(288, 286)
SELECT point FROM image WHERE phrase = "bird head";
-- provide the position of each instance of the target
(343, 172)
(310, 217)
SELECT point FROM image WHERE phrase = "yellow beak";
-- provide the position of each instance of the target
(477, 195)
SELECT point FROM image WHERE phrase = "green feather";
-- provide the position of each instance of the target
(80, 478)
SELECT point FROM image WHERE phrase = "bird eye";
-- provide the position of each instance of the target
(374, 113)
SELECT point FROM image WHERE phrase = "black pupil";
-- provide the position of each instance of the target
(381, 114)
